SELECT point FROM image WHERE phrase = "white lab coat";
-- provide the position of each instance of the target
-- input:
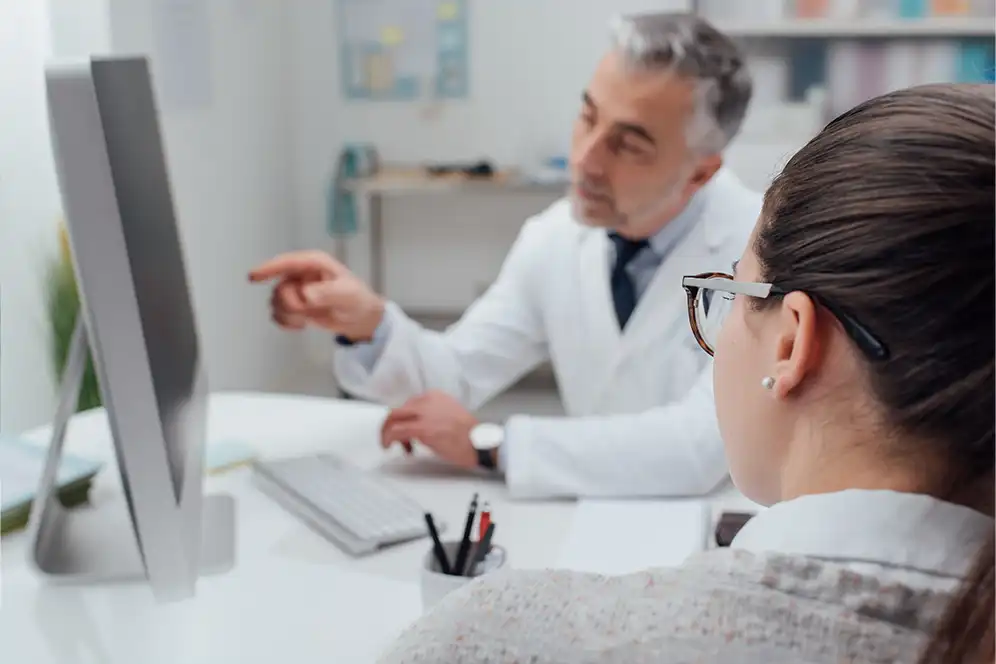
(640, 416)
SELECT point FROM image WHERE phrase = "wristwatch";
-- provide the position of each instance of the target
(485, 438)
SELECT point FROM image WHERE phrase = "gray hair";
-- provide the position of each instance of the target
(689, 46)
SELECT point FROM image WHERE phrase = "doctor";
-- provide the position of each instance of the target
(591, 284)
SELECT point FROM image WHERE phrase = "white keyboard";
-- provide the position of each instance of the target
(352, 508)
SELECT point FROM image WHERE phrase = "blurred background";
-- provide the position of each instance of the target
(311, 123)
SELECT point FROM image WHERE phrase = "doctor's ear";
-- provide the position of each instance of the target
(703, 172)
(797, 343)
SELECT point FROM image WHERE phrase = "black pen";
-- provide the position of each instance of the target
(481, 552)
(437, 546)
(462, 552)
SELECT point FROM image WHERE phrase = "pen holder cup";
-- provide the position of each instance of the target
(436, 585)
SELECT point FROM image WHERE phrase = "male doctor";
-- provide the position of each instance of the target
(592, 284)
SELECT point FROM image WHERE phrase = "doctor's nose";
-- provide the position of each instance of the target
(592, 157)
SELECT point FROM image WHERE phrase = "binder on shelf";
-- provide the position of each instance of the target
(808, 68)
(938, 61)
(902, 65)
(975, 61)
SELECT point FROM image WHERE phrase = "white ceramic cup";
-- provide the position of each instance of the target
(436, 585)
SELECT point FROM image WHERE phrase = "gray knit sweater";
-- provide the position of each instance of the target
(729, 606)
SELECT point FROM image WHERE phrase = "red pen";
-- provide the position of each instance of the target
(484, 522)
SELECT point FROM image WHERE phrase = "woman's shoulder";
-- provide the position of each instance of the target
(725, 603)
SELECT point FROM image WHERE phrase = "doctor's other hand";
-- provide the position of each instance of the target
(436, 420)
(312, 288)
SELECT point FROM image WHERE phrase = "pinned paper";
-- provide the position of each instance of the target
(447, 11)
(391, 35)
(380, 72)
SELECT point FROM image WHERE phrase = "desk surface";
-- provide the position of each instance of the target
(288, 596)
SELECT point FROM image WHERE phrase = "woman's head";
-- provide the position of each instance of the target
(870, 362)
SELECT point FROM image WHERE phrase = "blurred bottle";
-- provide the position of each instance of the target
(915, 9)
(845, 9)
(880, 9)
(949, 7)
(811, 8)
(983, 8)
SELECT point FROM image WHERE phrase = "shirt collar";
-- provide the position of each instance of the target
(662, 242)
(905, 530)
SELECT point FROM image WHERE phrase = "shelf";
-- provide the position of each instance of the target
(975, 26)
(416, 181)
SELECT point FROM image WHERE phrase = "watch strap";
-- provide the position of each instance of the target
(485, 459)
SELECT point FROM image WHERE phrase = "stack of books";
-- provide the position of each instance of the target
(21, 465)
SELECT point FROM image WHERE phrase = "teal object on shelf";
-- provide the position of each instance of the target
(912, 8)
(355, 161)
(976, 61)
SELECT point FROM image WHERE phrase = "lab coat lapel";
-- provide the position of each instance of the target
(599, 328)
(661, 315)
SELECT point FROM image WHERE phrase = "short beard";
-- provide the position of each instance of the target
(617, 220)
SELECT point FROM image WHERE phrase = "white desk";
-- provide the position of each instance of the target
(283, 601)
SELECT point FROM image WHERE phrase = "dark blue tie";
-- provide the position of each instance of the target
(623, 288)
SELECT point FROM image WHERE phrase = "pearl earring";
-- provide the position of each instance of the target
(767, 382)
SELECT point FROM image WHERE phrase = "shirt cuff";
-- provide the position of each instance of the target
(367, 353)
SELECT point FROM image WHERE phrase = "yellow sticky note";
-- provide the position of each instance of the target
(447, 11)
(380, 72)
(391, 36)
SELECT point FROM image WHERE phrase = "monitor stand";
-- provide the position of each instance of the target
(98, 543)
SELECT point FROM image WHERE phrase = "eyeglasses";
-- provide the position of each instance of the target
(710, 299)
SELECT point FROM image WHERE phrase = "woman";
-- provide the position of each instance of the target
(854, 389)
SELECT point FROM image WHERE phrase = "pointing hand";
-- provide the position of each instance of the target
(312, 288)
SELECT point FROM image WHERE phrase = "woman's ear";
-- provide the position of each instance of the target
(797, 347)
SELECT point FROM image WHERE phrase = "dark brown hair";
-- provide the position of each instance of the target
(887, 217)
(966, 633)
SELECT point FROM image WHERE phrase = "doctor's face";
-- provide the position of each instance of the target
(631, 168)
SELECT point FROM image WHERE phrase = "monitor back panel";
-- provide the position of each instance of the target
(135, 302)
(155, 255)
(137, 159)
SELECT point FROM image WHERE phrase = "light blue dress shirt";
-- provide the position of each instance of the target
(641, 269)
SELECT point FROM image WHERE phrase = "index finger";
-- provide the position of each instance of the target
(297, 263)
(400, 414)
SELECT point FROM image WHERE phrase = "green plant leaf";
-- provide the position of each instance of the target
(63, 310)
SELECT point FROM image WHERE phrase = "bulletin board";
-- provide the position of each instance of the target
(403, 49)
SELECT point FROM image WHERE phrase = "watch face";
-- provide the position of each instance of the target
(486, 436)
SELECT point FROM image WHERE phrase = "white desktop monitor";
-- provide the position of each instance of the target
(138, 322)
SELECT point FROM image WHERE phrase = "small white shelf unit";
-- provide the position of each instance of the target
(801, 28)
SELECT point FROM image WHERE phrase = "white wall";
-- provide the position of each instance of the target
(29, 209)
(529, 64)
(231, 173)
(231, 176)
